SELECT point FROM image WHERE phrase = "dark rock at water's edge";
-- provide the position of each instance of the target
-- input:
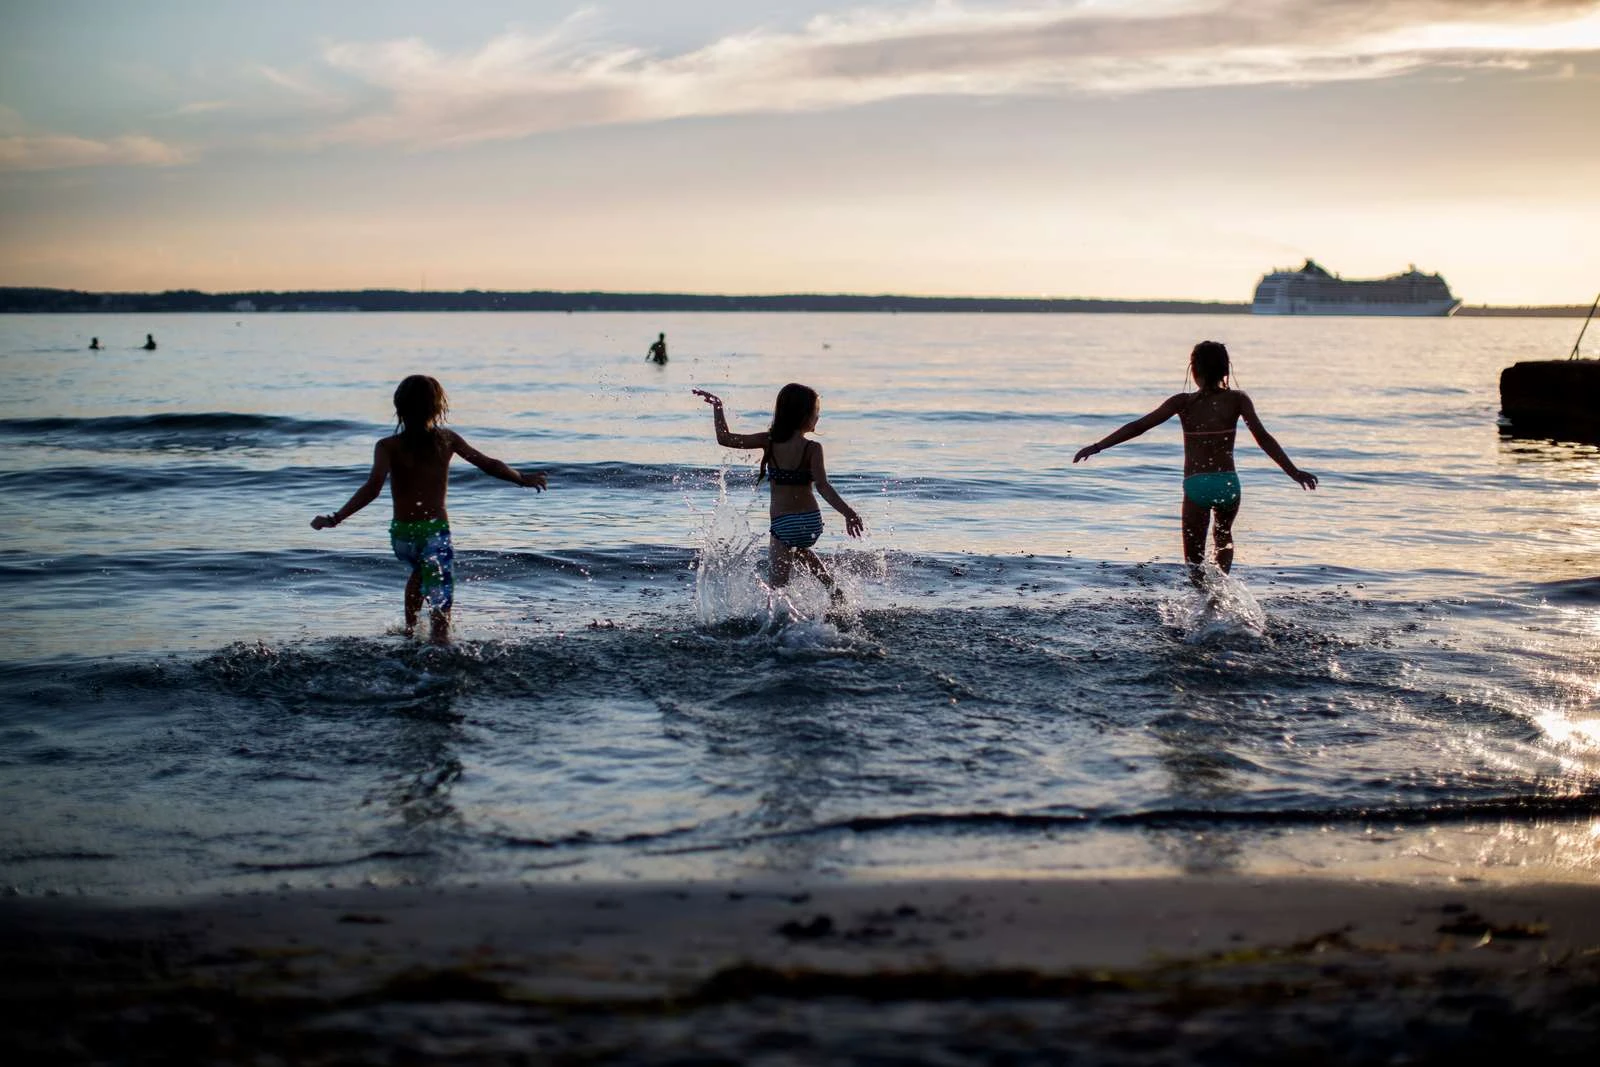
(1557, 398)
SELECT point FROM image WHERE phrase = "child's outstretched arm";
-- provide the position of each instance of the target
(1269, 444)
(489, 465)
(1170, 407)
(819, 478)
(725, 437)
(361, 497)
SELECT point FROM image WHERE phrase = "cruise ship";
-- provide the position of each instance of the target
(1311, 290)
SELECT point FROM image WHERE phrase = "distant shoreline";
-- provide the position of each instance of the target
(15, 300)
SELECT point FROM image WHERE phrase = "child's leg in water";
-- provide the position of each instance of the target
(781, 560)
(1222, 535)
(413, 599)
(1196, 518)
(438, 621)
(815, 566)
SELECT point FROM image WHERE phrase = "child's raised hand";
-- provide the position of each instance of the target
(710, 398)
(534, 480)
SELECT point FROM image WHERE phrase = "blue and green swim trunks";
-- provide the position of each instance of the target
(1214, 489)
(425, 545)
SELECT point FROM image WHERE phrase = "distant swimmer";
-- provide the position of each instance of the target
(1210, 416)
(149, 342)
(94, 344)
(416, 463)
(658, 351)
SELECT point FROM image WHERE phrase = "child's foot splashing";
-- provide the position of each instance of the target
(1210, 416)
(1226, 608)
(416, 463)
(795, 465)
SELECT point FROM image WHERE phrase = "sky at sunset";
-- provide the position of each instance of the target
(1095, 148)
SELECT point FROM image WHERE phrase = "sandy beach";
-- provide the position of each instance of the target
(1223, 970)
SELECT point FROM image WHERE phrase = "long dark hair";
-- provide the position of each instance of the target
(1209, 365)
(791, 412)
(419, 406)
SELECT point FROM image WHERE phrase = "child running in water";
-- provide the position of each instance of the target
(795, 465)
(417, 458)
(1209, 416)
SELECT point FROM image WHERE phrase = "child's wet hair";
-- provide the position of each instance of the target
(419, 405)
(1209, 364)
(791, 413)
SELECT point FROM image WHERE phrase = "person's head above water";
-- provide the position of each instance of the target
(794, 412)
(1209, 365)
(419, 403)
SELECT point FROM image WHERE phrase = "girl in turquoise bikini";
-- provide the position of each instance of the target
(416, 464)
(1210, 415)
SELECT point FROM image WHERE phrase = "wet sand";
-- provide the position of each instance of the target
(1170, 970)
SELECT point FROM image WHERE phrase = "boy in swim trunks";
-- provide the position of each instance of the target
(794, 464)
(1210, 415)
(416, 461)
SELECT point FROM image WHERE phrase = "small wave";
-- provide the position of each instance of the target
(1515, 808)
(100, 480)
(176, 431)
(57, 856)
(1571, 591)
(224, 570)
(378, 856)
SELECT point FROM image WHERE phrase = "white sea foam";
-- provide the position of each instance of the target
(726, 583)
(730, 583)
(1223, 610)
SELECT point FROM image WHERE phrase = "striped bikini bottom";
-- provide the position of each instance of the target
(799, 529)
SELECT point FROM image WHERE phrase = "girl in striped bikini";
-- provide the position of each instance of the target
(794, 464)
(1209, 415)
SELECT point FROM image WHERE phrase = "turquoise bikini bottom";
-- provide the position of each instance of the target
(1215, 489)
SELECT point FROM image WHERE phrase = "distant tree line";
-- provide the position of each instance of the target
(22, 300)
(72, 300)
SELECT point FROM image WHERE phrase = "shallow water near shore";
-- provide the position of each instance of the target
(200, 693)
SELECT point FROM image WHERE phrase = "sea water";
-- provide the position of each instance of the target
(199, 692)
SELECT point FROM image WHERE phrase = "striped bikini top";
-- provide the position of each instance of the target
(800, 475)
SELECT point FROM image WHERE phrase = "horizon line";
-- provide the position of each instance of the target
(11, 293)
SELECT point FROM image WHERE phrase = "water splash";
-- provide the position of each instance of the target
(727, 586)
(729, 582)
(1222, 611)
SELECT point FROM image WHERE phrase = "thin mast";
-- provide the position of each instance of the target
(1579, 341)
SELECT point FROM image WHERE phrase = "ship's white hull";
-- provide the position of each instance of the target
(1428, 309)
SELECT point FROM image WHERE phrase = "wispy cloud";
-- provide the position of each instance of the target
(59, 152)
(520, 84)
(306, 88)
(204, 107)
